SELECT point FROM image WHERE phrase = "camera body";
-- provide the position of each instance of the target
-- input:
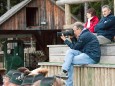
(66, 33)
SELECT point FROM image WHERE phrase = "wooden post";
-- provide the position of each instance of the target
(114, 7)
(67, 16)
(85, 11)
(8, 4)
(102, 3)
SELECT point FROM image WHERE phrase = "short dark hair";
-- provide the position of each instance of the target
(91, 11)
(79, 25)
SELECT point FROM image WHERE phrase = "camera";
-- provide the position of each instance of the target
(66, 33)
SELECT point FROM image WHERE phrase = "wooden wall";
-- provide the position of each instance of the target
(48, 12)
(90, 75)
(16, 22)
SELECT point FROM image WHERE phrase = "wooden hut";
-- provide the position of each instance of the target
(39, 19)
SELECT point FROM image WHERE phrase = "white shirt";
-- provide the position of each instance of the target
(88, 23)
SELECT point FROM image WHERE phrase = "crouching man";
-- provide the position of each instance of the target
(85, 50)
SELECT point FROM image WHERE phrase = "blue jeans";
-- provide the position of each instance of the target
(74, 57)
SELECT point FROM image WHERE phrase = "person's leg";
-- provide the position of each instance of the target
(103, 40)
(69, 58)
(69, 81)
(67, 65)
(82, 59)
(79, 59)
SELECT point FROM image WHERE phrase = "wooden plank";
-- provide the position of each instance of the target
(104, 59)
(57, 53)
(89, 65)
(56, 59)
(75, 77)
(62, 2)
(107, 59)
(58, 50)
(61, 49)
(108, 49)
(88, 76)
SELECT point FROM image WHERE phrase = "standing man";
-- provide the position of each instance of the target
(105, 29)
(85, 50)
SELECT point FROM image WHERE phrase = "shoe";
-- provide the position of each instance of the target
(63, 76)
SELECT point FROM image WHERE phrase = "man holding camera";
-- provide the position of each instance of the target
(85, 50)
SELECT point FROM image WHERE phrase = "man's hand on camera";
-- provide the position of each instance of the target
(63, 37)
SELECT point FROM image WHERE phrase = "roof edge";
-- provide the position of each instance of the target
(13, 10)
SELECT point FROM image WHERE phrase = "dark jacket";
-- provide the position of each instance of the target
(106, 27)
(93, 22)
(87, 43)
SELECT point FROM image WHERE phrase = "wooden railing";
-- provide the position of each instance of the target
(88, 75)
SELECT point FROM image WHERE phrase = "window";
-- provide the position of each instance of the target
(31, 16)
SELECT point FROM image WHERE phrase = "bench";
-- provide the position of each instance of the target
(102, 74)
(57, 53)
(87, 75)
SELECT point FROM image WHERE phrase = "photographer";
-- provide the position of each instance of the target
(85, 51)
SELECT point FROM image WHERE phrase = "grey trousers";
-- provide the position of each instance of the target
(102, 39)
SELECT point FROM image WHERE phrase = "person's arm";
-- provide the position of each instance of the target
(100, 25)
(75, 46)
(78, 45)
(94, 23)
(105, 24)
(109, 23)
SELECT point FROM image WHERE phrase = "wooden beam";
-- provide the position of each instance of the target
(8, 4)
(114, 7)
(15, 36)
(85, 11)
(62, 2)
(67, 15)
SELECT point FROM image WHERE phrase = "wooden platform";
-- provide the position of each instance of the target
(57, 53)
(88, 75)
(102, 74)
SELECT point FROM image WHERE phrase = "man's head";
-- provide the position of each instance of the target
(106, 10)
(7, 77)
(16, 79)
(77, 28)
